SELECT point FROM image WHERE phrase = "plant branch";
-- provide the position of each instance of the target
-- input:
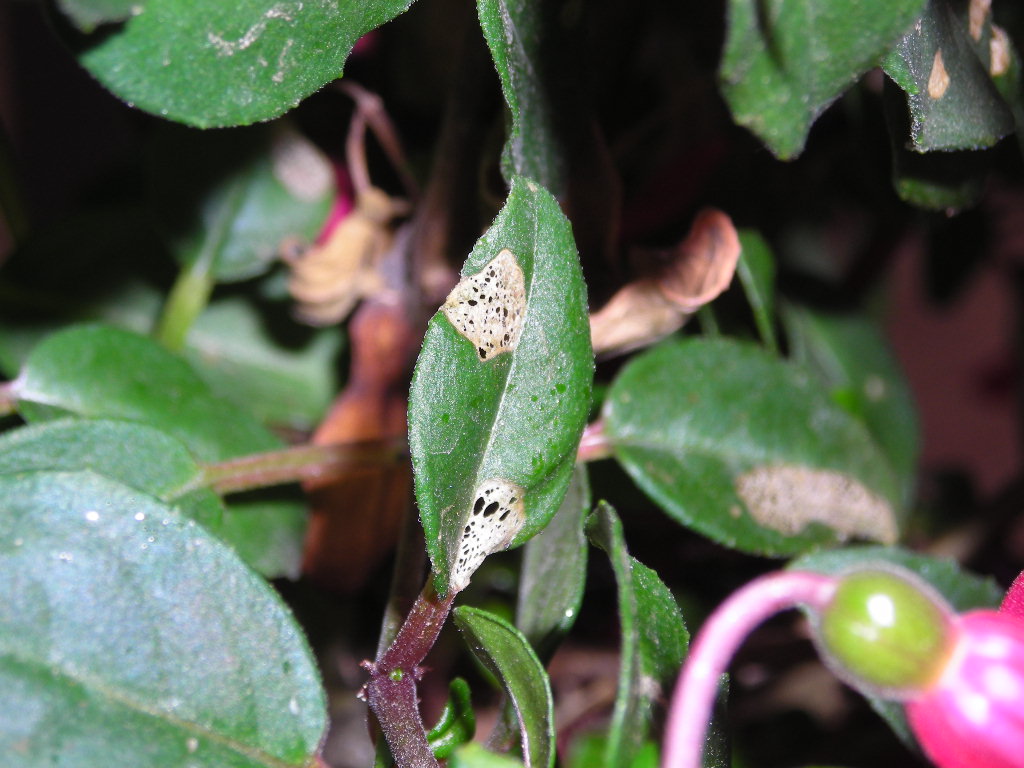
(594, 444)
(391, 690)
(717, 642)
(292, 465)
(8, 397)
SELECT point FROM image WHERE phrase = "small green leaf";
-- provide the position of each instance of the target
(280, 380)
(785, 61)
(220, 64)
(554, 571)
(854, 361)
(495, 415)
(475, 756)
(747, 449)
(654, 640)
(953, 102)
(132, 454)
(457, 722)
(756, 270)
(89, 14)
(506, 653)
(227, 199)
(95, 371)
(129, 637)
(514, 33)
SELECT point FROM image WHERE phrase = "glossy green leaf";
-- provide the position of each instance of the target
(220, 64)
(134, 455)
(748, 449)
(131, 638)
(953, 102)
(654, 640)
(280, 380)
(514, 31)
(506, 653)
(756, 270)
(785, 61)
(963, 590)
(457, 722)
(89, 14)
(508, 424)
(95, 371)
(227, 199)
(475, 756)
(854, 361)
(554, 571)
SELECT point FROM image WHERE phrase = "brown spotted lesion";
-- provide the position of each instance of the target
(488, 308)
(495, 517)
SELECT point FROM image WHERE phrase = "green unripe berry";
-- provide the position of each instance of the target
(885, 631)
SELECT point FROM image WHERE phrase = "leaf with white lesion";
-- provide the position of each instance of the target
(488, 308)
(497, 515)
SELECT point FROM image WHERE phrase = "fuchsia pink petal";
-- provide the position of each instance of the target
(973, 717)
(1013, 603)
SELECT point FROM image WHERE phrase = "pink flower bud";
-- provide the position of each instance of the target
(972, 716)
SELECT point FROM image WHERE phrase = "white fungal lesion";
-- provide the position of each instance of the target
(488, 308)
(495, 517)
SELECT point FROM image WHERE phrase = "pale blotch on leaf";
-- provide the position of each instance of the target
(938, 80)
(788, 498)
(1000, 52)
(495, 517)
(488, 308)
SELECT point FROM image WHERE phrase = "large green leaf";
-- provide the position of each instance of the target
(495, 420)
(129, 638)
(506, 653)
(218, 64)
(554, 572)
(132, 454)
(953, 101)
(227, 199)
(785, 61)
(95, 371)
(514, 31)
(748, 449)
(654, 640)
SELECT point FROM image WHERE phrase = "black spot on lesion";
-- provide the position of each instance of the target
(491, 509)
(504, 515)
(478, 505)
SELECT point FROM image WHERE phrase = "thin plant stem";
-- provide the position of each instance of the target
(391, 690)
(716, 644)
(594, 445)
(302, 462)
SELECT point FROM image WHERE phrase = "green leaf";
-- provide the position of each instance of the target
(506, 653)
(654, 640)
(852, 358)
(747, 449)
(756, 270)
(129, 637)
(95, 371)
(785, 61)
(228, 199)
(514, 31)
(952, 99)
(589, 751)
(457, 722)
(131, 454)
(475, 756)
(489, 425)
(243, 359)
(220, 64)
(554, 571)
(89, 14)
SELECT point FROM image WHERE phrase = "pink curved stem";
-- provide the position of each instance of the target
(714, 647)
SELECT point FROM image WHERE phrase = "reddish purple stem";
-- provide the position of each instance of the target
(714, 647)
